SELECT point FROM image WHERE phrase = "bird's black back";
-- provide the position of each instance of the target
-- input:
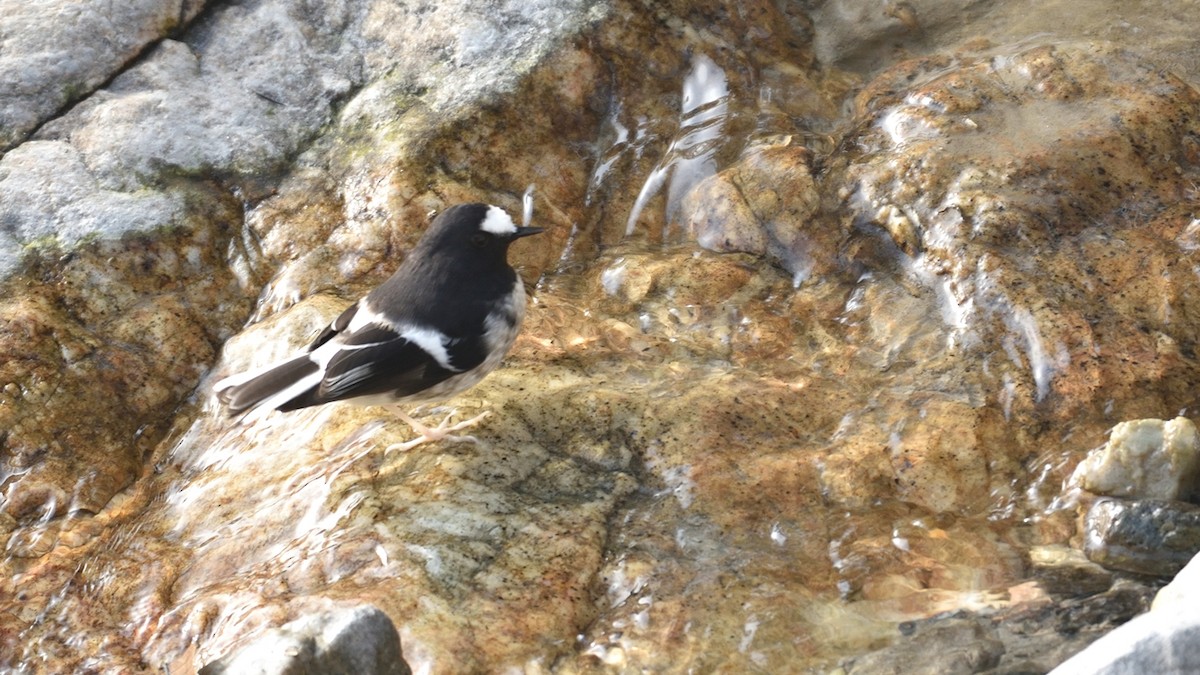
(453, 277)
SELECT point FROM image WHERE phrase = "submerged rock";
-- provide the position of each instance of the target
(1009, 184)
(96, 352)
(764, 204)
(1032, 637)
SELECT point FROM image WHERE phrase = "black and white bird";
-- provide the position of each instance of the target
(437, 327)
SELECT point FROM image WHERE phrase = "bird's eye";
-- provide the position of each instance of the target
(479, 240)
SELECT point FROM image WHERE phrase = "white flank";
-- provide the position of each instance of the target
(497, 222)
(365, 316)
(498, 335)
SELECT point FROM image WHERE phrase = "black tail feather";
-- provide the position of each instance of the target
(245, 395)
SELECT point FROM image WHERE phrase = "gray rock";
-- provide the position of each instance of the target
(953, 647)
(236, 96)
(1160, 642)
(55, 52)
(1164, 640)
(1150, 536)
(1065, 571)
(356, 641)
(1028, 637)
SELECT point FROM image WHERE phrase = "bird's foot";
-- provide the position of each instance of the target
(444, 431)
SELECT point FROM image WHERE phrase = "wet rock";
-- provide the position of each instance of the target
(359, 640)
(697, 115)
(1065, 571)
(1153, 537)
(117, 334)
(1030, 636)
(1144, 459)
(961, 649)
(692, 462)
(1163, 640)
(764, 204)
(867, 36)
(960, 166)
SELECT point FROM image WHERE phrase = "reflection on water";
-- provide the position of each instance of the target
(690, 156)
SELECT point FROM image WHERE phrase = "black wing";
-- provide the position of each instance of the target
(376, 360)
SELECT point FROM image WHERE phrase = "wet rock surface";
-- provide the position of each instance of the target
(1162, 640)
(97, 349)
(797, 376)
(354, 641)
(1148, 536)
(1017, 238)
(1033, 638)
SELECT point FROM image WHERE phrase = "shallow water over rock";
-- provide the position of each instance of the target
(811, 354)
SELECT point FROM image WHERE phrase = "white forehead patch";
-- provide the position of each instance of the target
(497, 222)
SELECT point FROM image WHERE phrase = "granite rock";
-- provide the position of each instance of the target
(773, 401)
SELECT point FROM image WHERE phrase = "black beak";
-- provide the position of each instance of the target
(526, 231)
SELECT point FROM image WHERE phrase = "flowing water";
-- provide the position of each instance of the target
(905, 452)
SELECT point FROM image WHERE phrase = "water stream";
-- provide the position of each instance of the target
(888, 434)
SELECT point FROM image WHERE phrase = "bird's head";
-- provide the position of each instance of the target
(473, 230)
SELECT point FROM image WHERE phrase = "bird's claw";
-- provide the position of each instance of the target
(442, 432)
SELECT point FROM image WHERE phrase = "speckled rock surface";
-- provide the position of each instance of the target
(975, 212)
(1015, 243)
(808, 358)
(98, 348)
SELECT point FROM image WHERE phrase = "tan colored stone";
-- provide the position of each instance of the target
(1144, 459)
